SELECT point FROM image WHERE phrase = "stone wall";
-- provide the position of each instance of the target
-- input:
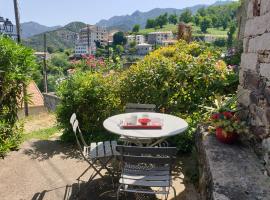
(51, 101)
(254, 88)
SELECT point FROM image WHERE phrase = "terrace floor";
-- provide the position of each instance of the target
(47, 170)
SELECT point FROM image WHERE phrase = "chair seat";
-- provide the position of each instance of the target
(100, 150)
(154, 177)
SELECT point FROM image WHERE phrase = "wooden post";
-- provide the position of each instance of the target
(45, 78)
(18, 29)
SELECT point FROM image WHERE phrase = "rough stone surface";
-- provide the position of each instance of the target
(252, 80)
(243, 96)
(259, 43)
(257, 25)
(265, 70)
(249, 61)
(229, 172)
(51, 101)
(265, 6)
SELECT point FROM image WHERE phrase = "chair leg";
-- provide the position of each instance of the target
(118, 192)
(174, 192)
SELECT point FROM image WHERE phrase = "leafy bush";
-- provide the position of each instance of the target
(17, 65)
(178, 79)
(92, 97)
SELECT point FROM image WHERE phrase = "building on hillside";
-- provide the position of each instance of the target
(159, 37)
(88, 37)
(82, 49)
(130, 39)
(168, 42)
(144, 48)
(40, 55)
(139, 39)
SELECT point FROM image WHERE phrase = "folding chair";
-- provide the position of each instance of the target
(146, 170)
(100, 153)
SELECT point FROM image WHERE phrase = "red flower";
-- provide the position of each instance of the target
(216, 116)
(228, 115)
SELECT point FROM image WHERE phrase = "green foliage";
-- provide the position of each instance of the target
(173, 19)
(205, 23)
(178, 79)
(136, 28)
(186, 16)
(220, 42)
(50, 49)
(17, 66)
(93, 98)
(162, 20)
(150, 23)
(230, 34)
(43, 134)
(119, 38)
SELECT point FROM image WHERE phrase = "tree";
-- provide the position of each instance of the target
(230, 34)
(50, 49)
(150, 23)
(136, 28)
(205, 24)
(202, 12)
(173, 19)
(162, 20)
(197, 20)
(119, 49)
(119, 38)
(186, 16)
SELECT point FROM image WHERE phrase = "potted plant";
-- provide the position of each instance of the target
(227, 126)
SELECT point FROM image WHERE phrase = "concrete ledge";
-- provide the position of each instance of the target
(51, 101)
(229, 172)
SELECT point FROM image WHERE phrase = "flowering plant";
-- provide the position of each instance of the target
(229, 122)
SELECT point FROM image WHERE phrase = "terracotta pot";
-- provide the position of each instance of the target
(227, 138)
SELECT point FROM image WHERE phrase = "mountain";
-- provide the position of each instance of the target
(32, 28)
(61, 38)
(126, 22)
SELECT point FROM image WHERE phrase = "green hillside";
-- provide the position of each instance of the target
(217, 32)
(61, 38)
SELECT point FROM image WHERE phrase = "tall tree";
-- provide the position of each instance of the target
(173, 19)
(205, 24)
(186, 16)
(230, 34)
(162, 20)
(119, 38)
(136, 28)
(150, 23)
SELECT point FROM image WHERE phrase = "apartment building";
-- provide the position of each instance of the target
(144, 48)
(88, 37)
(159, 37)
(139, 39)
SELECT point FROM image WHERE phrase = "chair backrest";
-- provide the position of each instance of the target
(135, 107)
(76, 129)
(147, 155)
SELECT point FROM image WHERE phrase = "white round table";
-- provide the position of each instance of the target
(172, 125)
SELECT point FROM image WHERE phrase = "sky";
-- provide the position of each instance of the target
(61, 12)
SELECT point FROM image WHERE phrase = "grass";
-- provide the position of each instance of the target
(217, 32)
(42, 134)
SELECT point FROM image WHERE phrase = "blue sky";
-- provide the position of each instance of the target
(61, 12)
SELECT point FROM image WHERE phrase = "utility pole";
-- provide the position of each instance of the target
(88, 39)
(45, 78)
(18, 29)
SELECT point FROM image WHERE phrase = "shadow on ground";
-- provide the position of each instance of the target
(102, 189)
(45, 149)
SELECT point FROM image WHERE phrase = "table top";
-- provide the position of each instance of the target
(172, 125)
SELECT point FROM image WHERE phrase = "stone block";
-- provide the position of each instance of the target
(249, 61)
(257, 25)
(265, 6)
(259, 43)
(265, 70)
(250, 9)
(264, 57)
(256, 97)
(243, 96)
(251, 80)
(267, 94)
(245, 44)
(241, 77)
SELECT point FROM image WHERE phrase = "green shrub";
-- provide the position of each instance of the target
(93, 98)
(178, 79)
(17, 66)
